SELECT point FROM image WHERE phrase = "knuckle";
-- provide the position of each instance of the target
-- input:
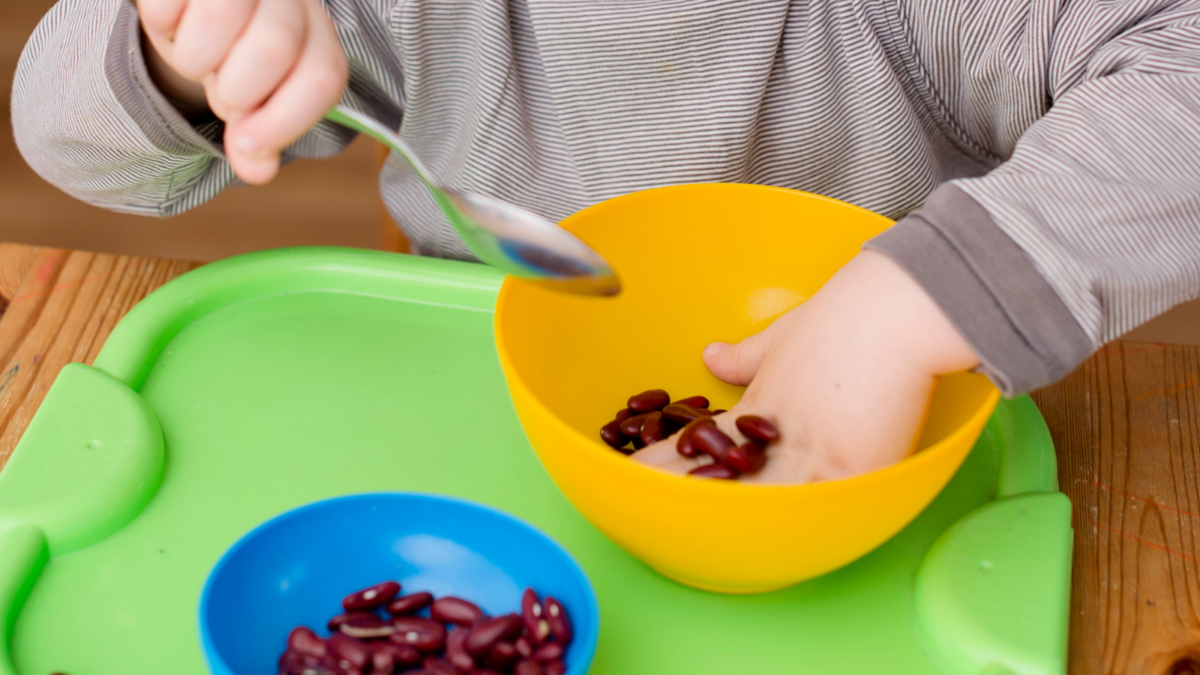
(225, 102)
(158, 14)
(279, 44)
(223, 10)
(187, 66)
(328, 80)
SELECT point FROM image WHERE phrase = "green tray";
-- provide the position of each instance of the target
(253, 385)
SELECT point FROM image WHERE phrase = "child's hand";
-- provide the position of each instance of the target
(846, 376)
(269, 68)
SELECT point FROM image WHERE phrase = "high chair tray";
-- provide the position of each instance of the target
(256, 384)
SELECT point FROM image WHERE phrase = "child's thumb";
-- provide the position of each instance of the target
(738, 363)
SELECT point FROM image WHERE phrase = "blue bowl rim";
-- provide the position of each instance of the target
(591, 608)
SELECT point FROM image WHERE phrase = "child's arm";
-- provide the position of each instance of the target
(90, 118)
(1090, 228)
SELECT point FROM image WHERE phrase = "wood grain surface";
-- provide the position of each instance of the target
(1127, 431)
(1125, 424)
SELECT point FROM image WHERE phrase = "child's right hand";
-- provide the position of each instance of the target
(845, 376)
(269, 68)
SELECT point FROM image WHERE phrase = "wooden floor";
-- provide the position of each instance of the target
(331, 202)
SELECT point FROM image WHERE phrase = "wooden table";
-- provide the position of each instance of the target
(1126, 425)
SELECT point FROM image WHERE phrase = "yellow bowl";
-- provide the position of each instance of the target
(701, 263)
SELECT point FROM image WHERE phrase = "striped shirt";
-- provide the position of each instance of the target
(1043, 155)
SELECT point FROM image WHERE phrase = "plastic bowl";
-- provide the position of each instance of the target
(295, 568)
(701, 263)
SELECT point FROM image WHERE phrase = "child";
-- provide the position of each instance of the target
(1052, 147)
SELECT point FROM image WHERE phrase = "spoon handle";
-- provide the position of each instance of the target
(367, 125)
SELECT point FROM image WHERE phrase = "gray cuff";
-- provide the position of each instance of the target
(990, 290)
(125, 70)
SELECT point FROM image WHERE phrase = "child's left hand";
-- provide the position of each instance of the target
(846, 376)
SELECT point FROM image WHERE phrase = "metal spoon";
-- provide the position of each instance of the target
(505, 236)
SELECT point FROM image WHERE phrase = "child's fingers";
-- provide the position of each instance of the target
(314, 85)
(252, 170)
(261, 58)
(663, 457)
(160, 17)
(737, 363)
(205, 34)
(661, 454)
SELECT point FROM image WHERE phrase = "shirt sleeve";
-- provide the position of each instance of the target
(89, 120)
(1092, 226)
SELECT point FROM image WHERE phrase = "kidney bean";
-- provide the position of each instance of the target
(435, 666)
(489, 631)
(719, 412)
(652, 399)
(633, 426)
(348, 652)
(712, 441)
(531, 611)
(714, 470)
(303, 641)
(366, 629)
(336, 622)
(622, 415)
(424, 634)
(456, 651)
(652, 428)
(371, 597)
(670, 427)
(611, 434)
(382, 663)
(294, 662)
(693, 401)
(402, 655)
(686, 443)
(455, 610)
(682, 414)
(408, 604)
(531, 642)
(502, 655)
(527, 667)
(746, 458)
(637, 444)
(554, 668)
(548, 652)
(758, 429)
(556, 615)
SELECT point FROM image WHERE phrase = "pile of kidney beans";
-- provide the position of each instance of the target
(651, 416)
(456, 638)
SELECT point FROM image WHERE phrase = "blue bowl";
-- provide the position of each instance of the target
(294, 570)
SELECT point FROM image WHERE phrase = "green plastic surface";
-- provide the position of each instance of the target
(966, 585)
(23, 554)
(106, 463)
(291, 376)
